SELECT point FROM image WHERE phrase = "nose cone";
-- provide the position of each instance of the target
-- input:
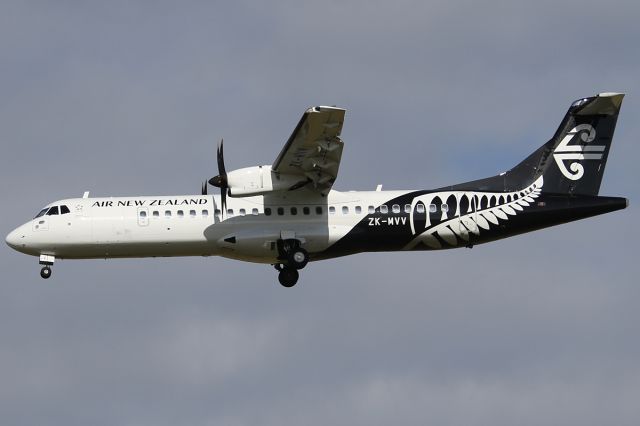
(14, 239)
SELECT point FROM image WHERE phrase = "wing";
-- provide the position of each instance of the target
(314, 149)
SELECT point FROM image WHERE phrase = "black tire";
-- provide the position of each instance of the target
(288, 277)
(298, 258)
(45, 272)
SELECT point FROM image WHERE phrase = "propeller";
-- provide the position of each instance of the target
(220, 180)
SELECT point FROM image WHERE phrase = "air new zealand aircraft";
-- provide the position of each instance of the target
(287, 214)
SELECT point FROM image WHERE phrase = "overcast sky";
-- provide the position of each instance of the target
(130, 98)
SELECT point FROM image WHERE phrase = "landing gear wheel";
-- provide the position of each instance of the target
(45, 272)
(298, 258)
(288, 277)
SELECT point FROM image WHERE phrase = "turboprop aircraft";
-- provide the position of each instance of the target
(287, 214)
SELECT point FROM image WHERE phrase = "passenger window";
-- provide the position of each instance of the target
(167, 213)
(64, 210)
(444, 207)
(345, 210)
(280, 211)
(192, 213)
(156, 213)
(255, 212)
(180, 214)
(52, 211)
(420, 208)
(318, 210)
(407, 208)
(243, 212)
(143, 213)
(395, 208)
(432, 208)
(306, 210)
(358, 209)
(384, 209)
(294, 211)
(217, 212)
(372, 209)
(267, 211)
(229, 212)
(205, 213)
(332, 210)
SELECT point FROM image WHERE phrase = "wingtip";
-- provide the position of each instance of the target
(321, 108)
(609, 94)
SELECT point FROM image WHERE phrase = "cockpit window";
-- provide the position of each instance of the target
(42, 212)
(64, 210)
(52, 211)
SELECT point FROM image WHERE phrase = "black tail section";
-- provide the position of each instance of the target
(573, 161)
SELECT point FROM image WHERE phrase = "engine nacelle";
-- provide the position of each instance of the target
(258, 180)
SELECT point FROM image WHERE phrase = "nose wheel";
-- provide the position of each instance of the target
(45, 272)
(46, 261)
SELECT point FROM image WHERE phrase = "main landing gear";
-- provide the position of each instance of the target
(293, 258)
(47, 262)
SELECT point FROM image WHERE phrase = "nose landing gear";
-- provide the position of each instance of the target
(47, 261)
(45, 272)
(294, 258)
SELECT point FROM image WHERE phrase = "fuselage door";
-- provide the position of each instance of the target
(143, 216)
(468, 213)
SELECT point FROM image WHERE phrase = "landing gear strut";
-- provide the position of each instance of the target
(47, 262)
(293, 258)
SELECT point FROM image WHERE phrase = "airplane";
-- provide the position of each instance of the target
(287, 214)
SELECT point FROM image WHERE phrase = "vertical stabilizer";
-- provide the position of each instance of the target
(573, 161)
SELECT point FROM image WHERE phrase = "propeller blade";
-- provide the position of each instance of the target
(204, 188)
(220, 180)
(222, 171)
(223, 202)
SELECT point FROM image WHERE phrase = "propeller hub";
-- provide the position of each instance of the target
(218, 181)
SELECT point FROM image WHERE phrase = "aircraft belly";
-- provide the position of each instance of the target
(133, 249)
(259, 243)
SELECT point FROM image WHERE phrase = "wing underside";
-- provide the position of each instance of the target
(314, 149)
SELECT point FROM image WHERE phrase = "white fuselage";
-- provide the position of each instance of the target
(193, 225)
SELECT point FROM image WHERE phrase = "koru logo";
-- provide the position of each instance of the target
(576, 153)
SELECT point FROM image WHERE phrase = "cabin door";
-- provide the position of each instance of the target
(143, 216)
(468, 224)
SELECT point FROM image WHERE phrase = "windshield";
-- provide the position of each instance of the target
(42, 212)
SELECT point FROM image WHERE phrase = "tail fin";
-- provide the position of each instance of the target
(573, 161)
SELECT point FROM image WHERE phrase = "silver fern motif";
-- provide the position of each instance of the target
(483, 211)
